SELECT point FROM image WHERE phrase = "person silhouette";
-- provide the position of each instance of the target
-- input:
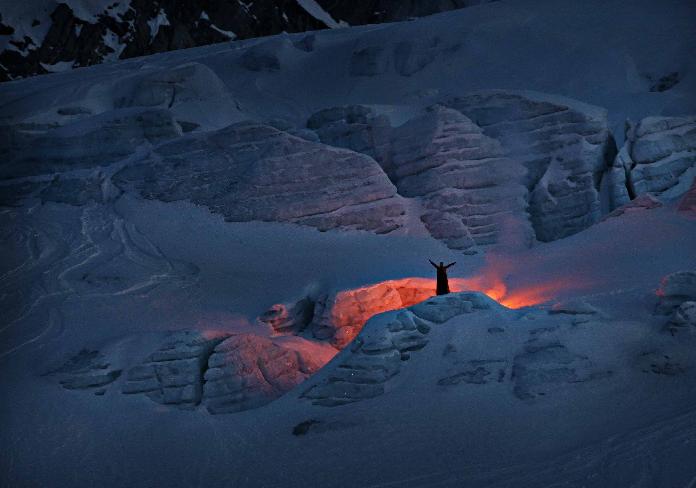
(442, 282)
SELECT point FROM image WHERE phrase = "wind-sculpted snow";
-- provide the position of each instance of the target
(545, 363)
(87, 370)
(384, 343)
(97, 141)
(174, 373)
(528, 352)
(675, 289)
(467, 187)
(336, 317)
(247, 371)
(224, 372)
(249, 171)
(683, 318)
(339, 317)
(192, 92)
(354, 127)
(659, 157)
(564, 146)
(488, 162)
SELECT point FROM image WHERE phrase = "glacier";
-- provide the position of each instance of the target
(215, 260)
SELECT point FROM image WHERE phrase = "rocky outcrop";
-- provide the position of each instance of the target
(249, 171)
(658, 157)
(74, 35)
(564, 145)
(98, 141)
(377, 11)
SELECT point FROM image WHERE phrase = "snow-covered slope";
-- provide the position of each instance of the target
(48, 36)
(195, 244)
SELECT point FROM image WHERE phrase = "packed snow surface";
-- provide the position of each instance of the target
(215, 261)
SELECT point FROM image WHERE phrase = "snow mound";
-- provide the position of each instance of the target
(545, 363)
(87, 370)
(250, 171)
(191, 91)
(247, 371)
(354, 127)
(659, 156)
(675, 289)
(563, 144)
(643, 202)
(173, 375)
(383, 344)
(97, 141)
(468, 189)
(488, 162)
(684, 317)
(336, 317)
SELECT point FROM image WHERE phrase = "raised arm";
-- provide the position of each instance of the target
(432, 263)
(450, 264)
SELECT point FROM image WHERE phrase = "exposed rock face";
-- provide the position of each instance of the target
(384, 343)
(247, 371)
(250, 171)
(99, 141)
(675, 289)
(377, 11)
(659, 157)
(127, 29)
(564, 146)
(173, 375)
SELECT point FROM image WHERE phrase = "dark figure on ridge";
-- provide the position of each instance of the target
(442, 282)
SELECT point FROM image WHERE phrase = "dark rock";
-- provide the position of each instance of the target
(190, 24)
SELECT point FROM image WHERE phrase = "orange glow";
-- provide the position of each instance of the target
(342, 316)
(525, 296)
(492, 278)
(352, 308)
